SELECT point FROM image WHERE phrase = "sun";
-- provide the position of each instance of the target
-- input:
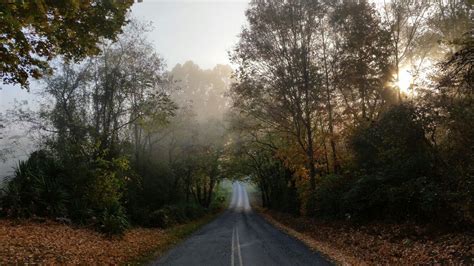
(404, 80)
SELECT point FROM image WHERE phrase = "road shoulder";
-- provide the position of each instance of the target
(404, 244)
(325, 249)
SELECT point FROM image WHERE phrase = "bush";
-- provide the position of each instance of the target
(218, 199)
(80, 211)
(365, 199)
(107, 182)
(149, 189)
(375, 197)
(35, 189)
(175, 214)
(39, 188)
(14, 203)
(194, 211)
(113, 220)
(161, 218)
(399, 180)
(51, 196)
(394, 146)
(326, 201)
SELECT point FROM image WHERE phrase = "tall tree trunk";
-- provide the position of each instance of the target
(329, 108)
(262, 191)
(307, 116)
(188, 185)
(209, 193)
(364, 108)
(326, 157)
(311, 161)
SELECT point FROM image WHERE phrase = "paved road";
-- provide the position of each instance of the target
(240, 237)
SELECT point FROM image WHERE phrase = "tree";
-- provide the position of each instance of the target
(203, 90)
(405, 20)
(34, 32)
(363, 68)
(97, 109)
(254, 154)
(450, 109)
(277, 81)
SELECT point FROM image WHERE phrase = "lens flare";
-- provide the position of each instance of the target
(404, 80)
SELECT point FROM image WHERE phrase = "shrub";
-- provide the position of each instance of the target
(51, 196)
(399, 180)
(39, 188)
(394, 146)
(36, 188)
(150, 188)
(326, 201)
(177, 213)
(174, 214)
(161, 218)
(14, 203)
(112, 220)
(194, 211)
(80, 211)
(375, 197)
(365, 199)
(107, 181)
(218, 201)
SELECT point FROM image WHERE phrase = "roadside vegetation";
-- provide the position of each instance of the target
(325, 127)
(355, 115)
(123, 142)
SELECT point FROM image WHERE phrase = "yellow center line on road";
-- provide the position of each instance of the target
(235, 244)
(233, 247)
(238, 247)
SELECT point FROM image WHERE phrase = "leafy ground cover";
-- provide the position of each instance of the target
(402, 244)
(49, 242)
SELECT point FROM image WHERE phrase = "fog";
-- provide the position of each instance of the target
(199, 31)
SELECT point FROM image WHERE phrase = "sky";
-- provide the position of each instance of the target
(202, 31)
(197, 30)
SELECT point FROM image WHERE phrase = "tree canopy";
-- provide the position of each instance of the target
(34, 32)
(327, 123)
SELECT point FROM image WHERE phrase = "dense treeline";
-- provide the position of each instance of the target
(338, 110)
(327, 124)
(124, 141)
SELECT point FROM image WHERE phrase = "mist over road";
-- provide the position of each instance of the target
(240, 237)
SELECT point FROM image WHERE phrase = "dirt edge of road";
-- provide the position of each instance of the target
(336, 256)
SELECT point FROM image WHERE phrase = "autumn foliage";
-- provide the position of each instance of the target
(324, 125)
(378, 243)
(53, 243)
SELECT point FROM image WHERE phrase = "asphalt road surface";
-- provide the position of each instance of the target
(240, 237)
